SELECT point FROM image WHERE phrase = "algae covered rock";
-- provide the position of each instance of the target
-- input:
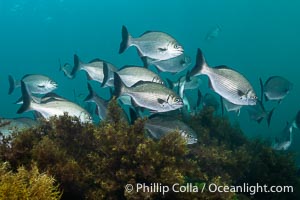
(98, 161)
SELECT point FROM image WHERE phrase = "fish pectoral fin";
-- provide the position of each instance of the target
(162, 49)
(41, 86)
(161, 101)
(241, 93)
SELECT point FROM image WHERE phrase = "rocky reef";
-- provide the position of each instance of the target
(97, 161)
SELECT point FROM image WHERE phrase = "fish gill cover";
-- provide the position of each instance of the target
(74, 156)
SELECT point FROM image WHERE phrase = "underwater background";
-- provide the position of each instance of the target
(257, 38)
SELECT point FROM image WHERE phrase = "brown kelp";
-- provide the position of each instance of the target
(97, 161)
(27, 184)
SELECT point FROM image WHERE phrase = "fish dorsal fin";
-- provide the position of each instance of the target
(129, 66)
(26, 75)
(146, 32)
(96, 60)
(141, 83)
(222, 67)
(50, 97)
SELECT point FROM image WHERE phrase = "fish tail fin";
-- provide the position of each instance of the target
(199, 98)
(200, 64)
(106, 73)
(65, 68)
(125, 40)
(261, 90)
(12, 84)
(91, 94)
(119, 85)
(77, 64)
(26, 99)
(222, 106)
(269, 117)
(145, 61)
(133, 115)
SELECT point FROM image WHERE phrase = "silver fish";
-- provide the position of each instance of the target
(9, 126)
(130, 75)
(101, 103)
(276, 88)
(94, 70)
(258, 113)
(36, 83)
(172, 65)
(160, 126)
(227, 82)
(213, 33)
(152, 44)
(183, 85)
(153, 96)
(284, 140)
(52, 106)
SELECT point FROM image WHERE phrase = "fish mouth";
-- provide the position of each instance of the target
(181, 50)
(54, 84)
